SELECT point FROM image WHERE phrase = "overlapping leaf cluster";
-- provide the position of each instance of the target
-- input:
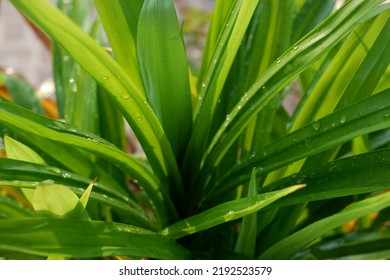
(225, 170)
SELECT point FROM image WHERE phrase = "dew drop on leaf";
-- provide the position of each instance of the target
(227, 120)
(316, 125)
(55, 170)
(295, 47)
(343, 119)
(104, 78)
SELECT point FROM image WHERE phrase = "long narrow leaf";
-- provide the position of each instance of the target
(121, 36)
(85, 239)
(354, 175)
(225, 212)
(287, 247)
(164, 70)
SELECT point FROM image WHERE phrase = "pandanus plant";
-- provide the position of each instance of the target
(225, 170)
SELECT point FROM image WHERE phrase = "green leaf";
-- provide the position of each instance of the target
(86, 195)
(72, 159)
(14, 170)
(16, 150)
(297, 241)
(246, 242)
(310, 15)
(9, 208)
(119, 19)
(22, 93)
(352, 246)
(27, 175)
(85, 239)
(225, 212)
(353, 175)
(56, 201)
(219, 16)
(164, 70)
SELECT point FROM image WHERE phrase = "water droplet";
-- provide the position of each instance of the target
(295, 47)
(125, 96)
(316, 125)
(239, 107)
(71, 81)
(93, 140)
(55, 170)
(343, 119)
(203, 85)
(227, 120)
(386, 115)
(65, 175)
(278, 61)
(104, 78)
(265, 153)
(333, 124)
(47, 182)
